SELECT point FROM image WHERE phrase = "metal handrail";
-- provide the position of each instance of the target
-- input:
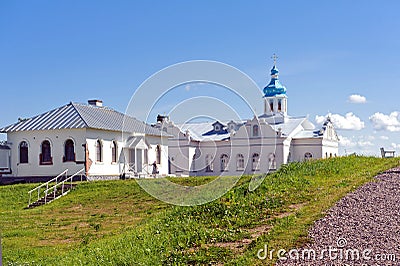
(131, 167)
(145, 168)
(62, 184)
(55, 179)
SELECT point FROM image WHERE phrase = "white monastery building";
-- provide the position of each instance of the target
(108, 144)
(256, 145)
(79, 136)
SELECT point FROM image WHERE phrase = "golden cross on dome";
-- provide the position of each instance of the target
(274, 57)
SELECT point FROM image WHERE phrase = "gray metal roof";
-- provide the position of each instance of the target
(203, 131)
(74, 115)
(307, 134)
(289, 126)
(4, 147)
(136, 142)
(199, 131)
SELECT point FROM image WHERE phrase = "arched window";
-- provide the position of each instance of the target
(224, 162)
(69, 151)
(239, 162)
(279, 105)
(45, 156)
(158, 154)
(99, 151)
(114, 152)
(271, 105)
(23, 152)
(209, 163)
(255, 131)
(255, 162)
(272, 161)
(308, 156)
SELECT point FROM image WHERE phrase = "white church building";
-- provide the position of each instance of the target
(104, 142)
(108, 144)
(257, 145)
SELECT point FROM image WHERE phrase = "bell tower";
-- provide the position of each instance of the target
(275, 99)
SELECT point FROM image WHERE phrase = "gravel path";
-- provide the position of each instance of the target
(365, 222)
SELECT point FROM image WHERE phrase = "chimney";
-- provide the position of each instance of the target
(98, 103)
(162, 118)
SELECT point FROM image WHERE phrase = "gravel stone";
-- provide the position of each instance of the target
(366, 221)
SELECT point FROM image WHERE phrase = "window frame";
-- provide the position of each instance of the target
(45, 157)
(20, 152)
(114, 151)
(209, 163)
(271, 105)
(224, 158)
(255, 162)
(239, 162)
(256, 130)
(308, 156)
(279, 105)
(272, 161)
(68, 157)
(99, 151)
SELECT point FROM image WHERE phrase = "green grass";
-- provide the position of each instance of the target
(117, 223)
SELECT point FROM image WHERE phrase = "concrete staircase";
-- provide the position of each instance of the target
(53, 189)
(52, 196)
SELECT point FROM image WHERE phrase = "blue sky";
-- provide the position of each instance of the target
(54, 52)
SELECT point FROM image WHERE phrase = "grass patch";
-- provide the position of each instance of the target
(117, 223)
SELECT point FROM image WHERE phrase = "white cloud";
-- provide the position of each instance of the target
(357, 98)
(356, 142)
(347, 122)
(384, 137)
(395, 146)
(389, 122)
(364, 143)
(369, 137)
(346, 142)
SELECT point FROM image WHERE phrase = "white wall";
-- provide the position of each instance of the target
(241, 142)
(106, 166)
(330, 148)
(268, 143)
(5, 155)
(180, 150)
(302, 146)
(162, 142)
(57, 139)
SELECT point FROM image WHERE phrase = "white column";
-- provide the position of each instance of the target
(136, 160)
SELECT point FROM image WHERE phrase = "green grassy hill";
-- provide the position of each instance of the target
(117, 223)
